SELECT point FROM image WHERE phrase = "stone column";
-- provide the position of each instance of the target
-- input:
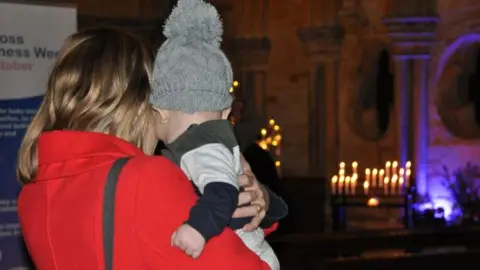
(251, 64)
(322, 44)
(412, 38)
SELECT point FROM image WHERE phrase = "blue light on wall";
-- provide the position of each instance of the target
(435, 193)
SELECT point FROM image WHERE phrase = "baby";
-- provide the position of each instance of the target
(191, 79)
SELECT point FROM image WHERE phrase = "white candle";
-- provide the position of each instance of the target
(401, 181)
(386, 185)
(365, 187)
(367, 175)
(401, 176)
(394, 167)
(407, 178)
(408, 165)
(341, 168)
(408, 171)
(394, 183)
(334, 184)
(341, 182)
(354, 167)
(374, 177)
(347, 185)
(381, 174)
(387, 168)
(354, 183)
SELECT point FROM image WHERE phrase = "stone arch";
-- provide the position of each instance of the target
(458, 107)
(369, 117)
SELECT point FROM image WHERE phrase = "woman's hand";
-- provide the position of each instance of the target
(254, 197)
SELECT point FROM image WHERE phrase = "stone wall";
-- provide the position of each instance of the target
(281, 70)
(316, 119)
(456, 143)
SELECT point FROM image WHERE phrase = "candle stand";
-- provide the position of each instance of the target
(389, 186)
(376, 197)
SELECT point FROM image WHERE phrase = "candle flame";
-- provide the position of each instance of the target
(401, 171)
(394, 178)
(347, 179)
(367, 171)
(365, 184)
(381, 172)
(342, 165)
(388, 164)
(355, 164)
(334, 179)
(408, 164)
(354, 178)
(409, 172)
(386, 180)
(401, 181)
(375, 171)
(395, 164)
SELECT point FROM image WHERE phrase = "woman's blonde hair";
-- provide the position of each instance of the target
(100, 82)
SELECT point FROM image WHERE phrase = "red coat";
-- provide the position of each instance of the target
(61, 210)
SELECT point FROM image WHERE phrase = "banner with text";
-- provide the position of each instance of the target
(30, 38)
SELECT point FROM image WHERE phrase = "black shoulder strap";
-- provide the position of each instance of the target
(109, 210)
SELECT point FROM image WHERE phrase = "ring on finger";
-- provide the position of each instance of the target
(259, 209)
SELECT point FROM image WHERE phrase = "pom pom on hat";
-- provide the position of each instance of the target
(194, 20)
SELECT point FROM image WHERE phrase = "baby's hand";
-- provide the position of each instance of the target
(189, 240)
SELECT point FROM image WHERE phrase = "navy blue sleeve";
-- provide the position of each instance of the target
(214, 209)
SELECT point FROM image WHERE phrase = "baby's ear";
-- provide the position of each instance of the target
(226, 113)
(163, 114)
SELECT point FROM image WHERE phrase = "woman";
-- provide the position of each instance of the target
(95, 111)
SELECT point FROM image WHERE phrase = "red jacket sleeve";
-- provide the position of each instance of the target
(164, 198)
(270, 229)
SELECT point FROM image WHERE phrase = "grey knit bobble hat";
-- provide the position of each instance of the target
(191, 73)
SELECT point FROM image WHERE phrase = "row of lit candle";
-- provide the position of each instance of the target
(391, 178)
(392, 173)
(344, 184)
